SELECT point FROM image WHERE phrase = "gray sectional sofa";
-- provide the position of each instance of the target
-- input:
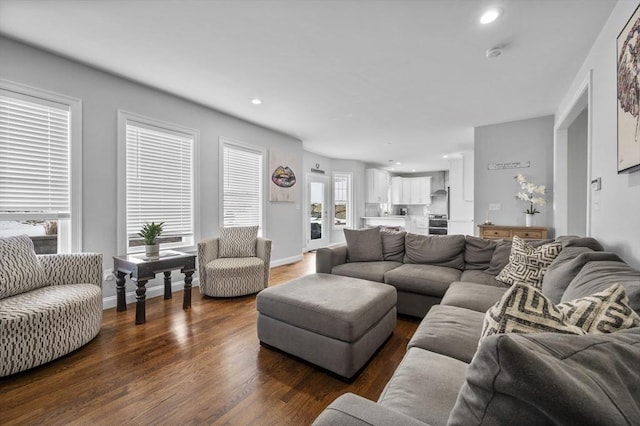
(447, 377)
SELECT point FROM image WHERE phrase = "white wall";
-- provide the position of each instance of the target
(616, 208)
(517, 141)
(102, 95)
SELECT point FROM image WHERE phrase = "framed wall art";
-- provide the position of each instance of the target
(283, 167)
(628, 99)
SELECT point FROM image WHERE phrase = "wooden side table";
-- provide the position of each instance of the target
(495, 232)
(142, 269)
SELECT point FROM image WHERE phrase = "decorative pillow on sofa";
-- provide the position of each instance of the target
(392, 244)
(20, 270)
(524, 309)
(527, 264)
(363, 245)
(238, 241)
(438, 250)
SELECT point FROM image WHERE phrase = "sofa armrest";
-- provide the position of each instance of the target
(74, 268)
(207, 251)
(263, 251)
(353, 410)
(328, 257)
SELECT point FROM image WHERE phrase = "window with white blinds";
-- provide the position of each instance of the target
(34, 158)
(242, 186)
(159, 182)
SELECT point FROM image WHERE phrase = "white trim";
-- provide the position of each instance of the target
(286, 261)
(121, 197)
(154, 291)
(75, 166)
(222, 141)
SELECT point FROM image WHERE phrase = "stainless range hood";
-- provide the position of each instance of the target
(439, 189)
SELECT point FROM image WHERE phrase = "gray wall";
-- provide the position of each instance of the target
(517, 141)
(577, 179)
(616, 208)
(102, 95)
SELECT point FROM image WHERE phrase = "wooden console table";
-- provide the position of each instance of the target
(142, 269)
(495, 232)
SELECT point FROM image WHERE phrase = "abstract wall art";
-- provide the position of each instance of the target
(282, 186)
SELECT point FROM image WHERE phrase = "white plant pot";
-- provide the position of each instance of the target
(528, 219)
(152, 250)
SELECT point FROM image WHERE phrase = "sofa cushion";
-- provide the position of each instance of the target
(517, 379)
(575, 241)
(424, 386)
(597, 276)
(478, 252)
(468, 295)
(239, 241)
(363, 245)
(439, 250)
(481, 277)
(20, 270)
(372, 271)
(500, 257)
(422, 279)
(450, 331)
(392, 245)
(566, 266)
(527, 264)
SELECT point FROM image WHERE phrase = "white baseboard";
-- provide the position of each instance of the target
(286, 260)
(155, 291)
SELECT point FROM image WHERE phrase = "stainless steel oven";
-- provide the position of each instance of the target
(438, 224)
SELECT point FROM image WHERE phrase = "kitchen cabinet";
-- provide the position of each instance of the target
(377, 186)
(411, 190)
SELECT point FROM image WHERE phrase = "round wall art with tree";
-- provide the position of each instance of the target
(628, 45)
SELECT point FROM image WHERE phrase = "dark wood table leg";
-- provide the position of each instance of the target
(141, 297)
(120, 291)
(167, 285)
(186, 302)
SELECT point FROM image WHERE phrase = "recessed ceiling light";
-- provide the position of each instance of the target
(392, 169)
(490, 15)
(445, 156)
(413, 170)
(256, 101)
(398, 163)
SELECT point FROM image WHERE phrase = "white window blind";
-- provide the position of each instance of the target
(159, 180)
(242, 187)
(34, 159)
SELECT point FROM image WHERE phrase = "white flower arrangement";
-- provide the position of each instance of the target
(528, 194)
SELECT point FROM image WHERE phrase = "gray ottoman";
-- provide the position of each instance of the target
(332, 321)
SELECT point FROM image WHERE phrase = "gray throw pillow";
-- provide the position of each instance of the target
(551, 378)
(500, 257)
(363, 245)
(392, 244)
(20, 270)
(478, 253)
(438, 250)
(574, 241)
(238, 241)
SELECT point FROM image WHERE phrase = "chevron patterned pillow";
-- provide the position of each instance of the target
(238, 241)
(527, 264)
(20, 270)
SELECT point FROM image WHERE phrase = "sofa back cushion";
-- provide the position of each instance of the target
(565, 268)
(517, 378)
(439, 250)
(20, 270)
(575, 241)
(363, 245)
(596, 276)
(478, 253)
(392, 244)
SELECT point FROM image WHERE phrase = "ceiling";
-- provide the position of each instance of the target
(370, 80)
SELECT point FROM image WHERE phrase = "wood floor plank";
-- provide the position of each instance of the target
(203, 365)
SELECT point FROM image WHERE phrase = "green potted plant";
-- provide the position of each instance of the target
(150, 232)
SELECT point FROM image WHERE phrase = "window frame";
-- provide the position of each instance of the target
(124, 117)
(262, 230)
(73, 243)
(349, 200)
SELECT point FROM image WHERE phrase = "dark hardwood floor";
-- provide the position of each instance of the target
(203, 365)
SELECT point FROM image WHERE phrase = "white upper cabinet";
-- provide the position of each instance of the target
(377, 186)
(411, 190)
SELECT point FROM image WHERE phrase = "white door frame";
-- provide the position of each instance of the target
(324, 241)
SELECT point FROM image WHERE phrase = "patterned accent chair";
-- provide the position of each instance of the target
(234, 264)
(50, 305)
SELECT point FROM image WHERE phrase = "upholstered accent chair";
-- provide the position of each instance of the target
(234, 264)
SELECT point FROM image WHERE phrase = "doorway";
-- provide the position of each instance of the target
(316, 217)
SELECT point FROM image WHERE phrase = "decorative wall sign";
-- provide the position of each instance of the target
(510, 165)
(283, 178)
(628, 100)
